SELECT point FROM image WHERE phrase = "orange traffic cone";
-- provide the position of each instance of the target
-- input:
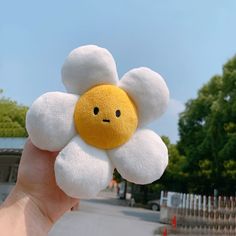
(174, 222)
(164, 232)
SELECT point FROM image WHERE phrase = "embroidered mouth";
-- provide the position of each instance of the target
(105, 120)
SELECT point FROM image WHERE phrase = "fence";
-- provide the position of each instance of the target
(197, 214)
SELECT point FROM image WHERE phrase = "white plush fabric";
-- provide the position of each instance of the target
(149, 92)
(88, 66)
(142, 159)
(50, 122)
(82, 170)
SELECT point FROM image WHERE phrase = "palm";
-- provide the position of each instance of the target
(36, 178)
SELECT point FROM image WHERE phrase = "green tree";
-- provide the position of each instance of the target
(207, 131)
(12, 118)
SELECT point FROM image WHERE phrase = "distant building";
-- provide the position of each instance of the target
(10, 153)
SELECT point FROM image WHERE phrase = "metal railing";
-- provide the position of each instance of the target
(199, 214)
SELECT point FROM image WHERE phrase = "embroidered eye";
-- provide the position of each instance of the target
(118, 113)
(95, 110)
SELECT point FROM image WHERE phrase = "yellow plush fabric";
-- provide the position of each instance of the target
(105, 117)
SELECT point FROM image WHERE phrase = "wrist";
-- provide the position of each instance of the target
(21, 211)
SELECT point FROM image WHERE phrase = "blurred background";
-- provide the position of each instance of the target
(192, 44)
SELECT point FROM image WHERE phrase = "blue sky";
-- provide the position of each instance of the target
(187, 42)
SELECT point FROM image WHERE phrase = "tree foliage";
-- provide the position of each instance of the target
(207, 131)
(12, 118)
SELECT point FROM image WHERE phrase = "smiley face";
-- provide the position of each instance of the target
(105, 117)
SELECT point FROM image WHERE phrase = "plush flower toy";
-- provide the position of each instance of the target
(99, 124)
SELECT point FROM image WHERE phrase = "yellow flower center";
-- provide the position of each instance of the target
(105, 117)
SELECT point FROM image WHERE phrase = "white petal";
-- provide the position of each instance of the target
(88, 66)
(148, 91)
(50, 121)
(142, 159)
(81, 170)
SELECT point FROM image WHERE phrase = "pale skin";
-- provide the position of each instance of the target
(36, 202)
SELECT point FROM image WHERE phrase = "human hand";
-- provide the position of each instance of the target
(36, 193)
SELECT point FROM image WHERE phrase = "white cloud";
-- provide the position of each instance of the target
(168, 123)
(175, 107)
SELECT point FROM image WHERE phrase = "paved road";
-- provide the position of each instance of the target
(107, 216)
